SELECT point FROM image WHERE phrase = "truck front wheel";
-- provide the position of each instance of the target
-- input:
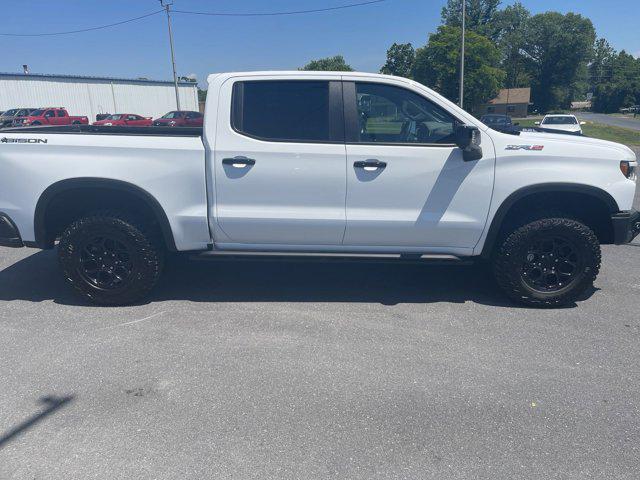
(110, 258)
(548, 262)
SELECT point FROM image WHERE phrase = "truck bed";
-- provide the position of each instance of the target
(109, 130)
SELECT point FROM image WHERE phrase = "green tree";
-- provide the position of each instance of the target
(511, 25)
(480, 15)
(400, 59)
(556, 49)
(437, 65)
(620, 84)
(333, 64)
(601, 62)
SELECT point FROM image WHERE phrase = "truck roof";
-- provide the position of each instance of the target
(303, 73)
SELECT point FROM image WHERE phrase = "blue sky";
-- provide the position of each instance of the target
(213, 44)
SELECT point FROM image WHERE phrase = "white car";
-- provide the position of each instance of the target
(333, 164)
(562, 123)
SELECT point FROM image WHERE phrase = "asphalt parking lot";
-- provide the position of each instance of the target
(306, 370)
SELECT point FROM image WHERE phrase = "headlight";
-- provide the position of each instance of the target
(629, 169)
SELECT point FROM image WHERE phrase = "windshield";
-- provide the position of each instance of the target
(173, 115)
(495, 120)
(10, 113)
(117, 116)
(560, 121)
(37, 113)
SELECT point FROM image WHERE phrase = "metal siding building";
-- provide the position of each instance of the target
(92, 95)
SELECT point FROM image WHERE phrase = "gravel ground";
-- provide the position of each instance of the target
(302, 370)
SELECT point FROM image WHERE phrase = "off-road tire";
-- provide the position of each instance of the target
(509, 259)
(144, 254)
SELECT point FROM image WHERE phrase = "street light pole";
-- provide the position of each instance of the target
(464, 19)
(173, 58)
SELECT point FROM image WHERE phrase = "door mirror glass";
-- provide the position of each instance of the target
(468, 139)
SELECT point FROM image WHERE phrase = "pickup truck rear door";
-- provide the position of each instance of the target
(61, 118)
(407, 183)
(279, 162)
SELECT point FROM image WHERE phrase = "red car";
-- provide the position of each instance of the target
(125, 119)
(51, 116)
(179, 118)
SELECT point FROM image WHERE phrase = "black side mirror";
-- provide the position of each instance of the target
(516, 124)
(468, 139)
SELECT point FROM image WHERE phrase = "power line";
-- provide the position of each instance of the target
(185, 12)
(81, 30)
(273, 14)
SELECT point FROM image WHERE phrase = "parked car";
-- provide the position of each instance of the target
(179, 118)
(128, 119)
(8, 117)
(562, 123)
(293, 163)
(502, 123)
(51, 116)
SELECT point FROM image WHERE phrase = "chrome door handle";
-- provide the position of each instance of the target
(239, 162)
(370, 165)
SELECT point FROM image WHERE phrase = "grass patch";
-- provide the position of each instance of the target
(622, 135)
(614, 134)
(527, 122)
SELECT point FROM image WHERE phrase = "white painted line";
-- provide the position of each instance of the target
(136, 321)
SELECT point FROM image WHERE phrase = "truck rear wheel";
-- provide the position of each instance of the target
(548, 262)
(110, 259)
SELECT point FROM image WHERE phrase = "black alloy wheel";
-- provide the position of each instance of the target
(547, 262)
(111, 258)
(551, 264)
(105, 263)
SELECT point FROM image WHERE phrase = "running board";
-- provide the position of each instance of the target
(328, 257)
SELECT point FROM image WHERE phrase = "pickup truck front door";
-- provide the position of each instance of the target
(407, 183)
(279, 163)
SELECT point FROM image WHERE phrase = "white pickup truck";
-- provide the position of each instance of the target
(318, 163)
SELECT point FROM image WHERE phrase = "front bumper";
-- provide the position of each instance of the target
(626, 226)
(9, 235)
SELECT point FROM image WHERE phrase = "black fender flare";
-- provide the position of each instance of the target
(39, 220)
(503, 210)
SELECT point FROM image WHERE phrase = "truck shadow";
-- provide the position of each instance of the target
(36, 278)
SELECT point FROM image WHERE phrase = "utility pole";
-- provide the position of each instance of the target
(167, 8)
(464, 19)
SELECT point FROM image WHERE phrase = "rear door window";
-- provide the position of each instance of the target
(294, 111)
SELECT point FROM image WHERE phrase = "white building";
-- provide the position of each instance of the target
(92, 95)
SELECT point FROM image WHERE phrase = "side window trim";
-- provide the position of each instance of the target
(352, 124)
(336, 114)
